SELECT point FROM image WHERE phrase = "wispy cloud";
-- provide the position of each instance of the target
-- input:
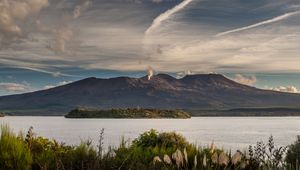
(15, 87)
(166, 15)
(168, 35)
(276, 19)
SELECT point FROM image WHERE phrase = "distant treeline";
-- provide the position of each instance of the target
(127, 113)
(271, 112)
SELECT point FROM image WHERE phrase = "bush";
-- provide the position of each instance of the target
(14, 153)
(152, 138)
(293, 154)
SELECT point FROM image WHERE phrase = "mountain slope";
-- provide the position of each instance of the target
(193, 92)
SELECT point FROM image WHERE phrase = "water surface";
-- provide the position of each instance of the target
(226, 132)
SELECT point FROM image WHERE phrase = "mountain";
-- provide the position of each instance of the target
(192, 92)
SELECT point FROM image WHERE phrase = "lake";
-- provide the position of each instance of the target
(225, 132)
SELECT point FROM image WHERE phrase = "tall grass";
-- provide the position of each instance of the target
(14, 153)
(150, 151)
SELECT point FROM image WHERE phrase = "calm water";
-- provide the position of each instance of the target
(226, 132)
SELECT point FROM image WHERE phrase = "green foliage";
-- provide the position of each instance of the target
(293, 155)
(150, 151)
(14, 153)
(127, 113)
(152, 138)
(266, 156)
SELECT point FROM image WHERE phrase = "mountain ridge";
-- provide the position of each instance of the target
(162, 91)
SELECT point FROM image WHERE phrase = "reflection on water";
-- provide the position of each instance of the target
(226, 132)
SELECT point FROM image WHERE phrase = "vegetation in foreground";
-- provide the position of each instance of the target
(127, 113)
(150, 151)
(2, 114)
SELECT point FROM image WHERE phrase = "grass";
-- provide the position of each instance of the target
(150, 151)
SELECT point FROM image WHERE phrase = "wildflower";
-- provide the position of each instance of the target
(214, 158)
(204, 161)
(177, 156)
(156, 160)
(236, 158)
(167, 159)
(243, 165)
(185, 155)
(195, 161)
(212, 147)
(223, 159)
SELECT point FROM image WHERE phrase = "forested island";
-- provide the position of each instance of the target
(247, 112)
(128, 113)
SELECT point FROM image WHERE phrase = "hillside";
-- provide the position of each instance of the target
(192, 92)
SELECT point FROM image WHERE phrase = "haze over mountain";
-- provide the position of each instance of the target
(192, 92)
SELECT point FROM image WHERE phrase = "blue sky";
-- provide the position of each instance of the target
(46, 43)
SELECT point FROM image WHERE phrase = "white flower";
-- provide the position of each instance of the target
(177, 156)
(214, 158)
(185, 155)
(204, 161)
(236, 158)
(156, 160)
(167, 159)
(195, 161)
(223, 159)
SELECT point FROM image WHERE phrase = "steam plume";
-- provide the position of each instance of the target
(150, 73)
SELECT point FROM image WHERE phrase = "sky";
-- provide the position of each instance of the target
(47, 43)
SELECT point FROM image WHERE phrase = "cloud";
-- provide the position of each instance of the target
(15, 12)
(184, 73)
(287, 89)
(66, 40)
(59, 84)
(247, 80)
(70, 34)
(15, 87)
(166, 15)
(270, 21)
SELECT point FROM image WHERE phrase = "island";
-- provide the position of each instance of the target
(2, 114)
(129, 113)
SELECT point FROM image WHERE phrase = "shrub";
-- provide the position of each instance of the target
(152, 138)
(293, 154)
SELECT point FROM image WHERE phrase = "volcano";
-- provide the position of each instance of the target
(162, 91)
